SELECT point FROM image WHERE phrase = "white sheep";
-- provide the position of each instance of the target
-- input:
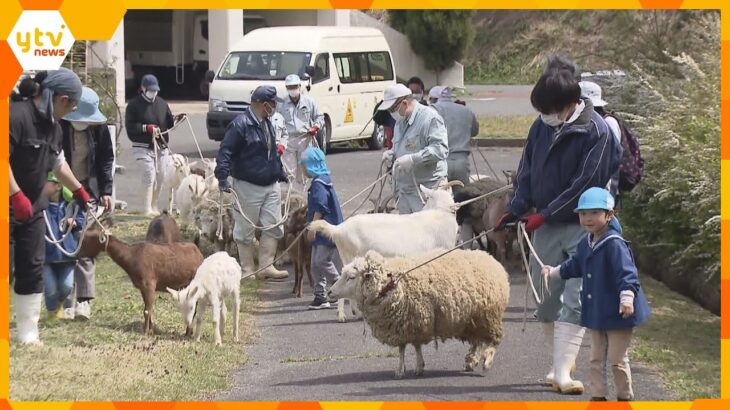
(218, 277)
(191, 192)
(462, 295)
(173, 169)
(395, 235)
(207, 218)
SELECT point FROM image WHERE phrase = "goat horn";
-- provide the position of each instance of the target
(452, 184)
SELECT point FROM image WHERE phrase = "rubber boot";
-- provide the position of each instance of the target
(568, 338)
(147, 201)
(548, 332)
(267, 252)
(245, 256)
(27, 314)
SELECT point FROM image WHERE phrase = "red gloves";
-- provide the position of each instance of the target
(504, 220)
(533, 222)
(150, 128)
(22, 207)
(313, 130)
(82, 198)
(280, 149)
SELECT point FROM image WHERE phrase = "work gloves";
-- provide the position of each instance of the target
(404, 164)
(149, 128)
(22, 208)
(224, 185)
(82, 198)
(388, 157)
(533, 222)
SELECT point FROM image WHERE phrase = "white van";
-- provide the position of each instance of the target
(344, 69)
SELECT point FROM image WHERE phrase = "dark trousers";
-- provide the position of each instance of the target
(28, 253)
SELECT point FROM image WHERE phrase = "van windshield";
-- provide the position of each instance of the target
(263, 65)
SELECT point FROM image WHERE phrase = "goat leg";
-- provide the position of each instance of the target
(148, 296)
(216, 305)
(199, 318)
(236, 313)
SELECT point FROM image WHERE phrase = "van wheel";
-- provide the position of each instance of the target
(377, 140)
(204, 88)
(324, 135)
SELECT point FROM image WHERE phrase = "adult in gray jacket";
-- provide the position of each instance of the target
(461, 126)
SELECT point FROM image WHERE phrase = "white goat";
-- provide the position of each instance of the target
(394, 235)
(218, 277)
(189, 194)
(173, 170)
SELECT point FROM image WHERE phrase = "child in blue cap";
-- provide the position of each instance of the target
(613, 302)
(322, 203)
(58, 268)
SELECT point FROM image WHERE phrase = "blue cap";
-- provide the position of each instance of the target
(87, 110)
(595, 198)
(313, 160)
(149, 82)
(265, 93)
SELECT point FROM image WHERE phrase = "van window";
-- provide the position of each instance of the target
(364, 67)
(321, 68)
(263, 65)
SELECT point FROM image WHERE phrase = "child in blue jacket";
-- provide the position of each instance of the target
(322, 203)
(58, 269)
(612, 299)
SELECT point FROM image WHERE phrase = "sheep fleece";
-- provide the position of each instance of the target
(462, 295)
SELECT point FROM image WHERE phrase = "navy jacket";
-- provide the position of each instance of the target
(246, 154)
(557, 166)
(607, 269)
(322, 198)
(56, 212)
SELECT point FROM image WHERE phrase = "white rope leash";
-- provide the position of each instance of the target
(522, 235)
(480, 197)
(103, 237)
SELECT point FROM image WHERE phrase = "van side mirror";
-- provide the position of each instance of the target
(209, 76)
(309, 70)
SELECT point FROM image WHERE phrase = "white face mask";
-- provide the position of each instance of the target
(269, 114)
(294, 94)
(79, 126)
(396, 114)
(418, 97)
(551, 120)
(150, 95)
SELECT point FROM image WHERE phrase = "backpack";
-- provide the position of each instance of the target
(631, 167)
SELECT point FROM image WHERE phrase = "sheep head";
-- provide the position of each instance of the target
(366, 273)
(187, 300)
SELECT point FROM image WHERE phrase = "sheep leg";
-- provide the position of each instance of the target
(224, 313)
(169, 201)
(148, 296)
(401, 370)
(216, 319)
(420, 364)
(471, 358)
(236, 313)
(488, 356)
(341, 311)
(200, 317)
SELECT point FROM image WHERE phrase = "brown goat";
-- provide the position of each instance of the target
(151, 266)
(163, 229)
(301, 252)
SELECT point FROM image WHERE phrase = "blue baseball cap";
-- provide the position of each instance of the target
(87, 109)
(595, 198)
(265, 93)
(149, 82)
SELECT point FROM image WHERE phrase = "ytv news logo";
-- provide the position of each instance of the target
(40, 40)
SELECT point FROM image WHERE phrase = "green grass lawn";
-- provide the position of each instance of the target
(505, 126)
(681, 341)
(108, 358)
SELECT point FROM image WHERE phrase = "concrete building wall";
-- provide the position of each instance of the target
(225, 29)
(110, 53)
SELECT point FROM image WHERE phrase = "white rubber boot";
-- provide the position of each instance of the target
(147, 199)
(27, 313)
(245, 256)
(568, 338)
(548, 332)
(267, 252)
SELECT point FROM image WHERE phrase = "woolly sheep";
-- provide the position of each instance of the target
(206, 218)
(395, 235)
(218, 277)
(462, 295)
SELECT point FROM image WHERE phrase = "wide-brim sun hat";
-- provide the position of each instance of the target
(595, 198)
(87, 109)
(392, 94)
